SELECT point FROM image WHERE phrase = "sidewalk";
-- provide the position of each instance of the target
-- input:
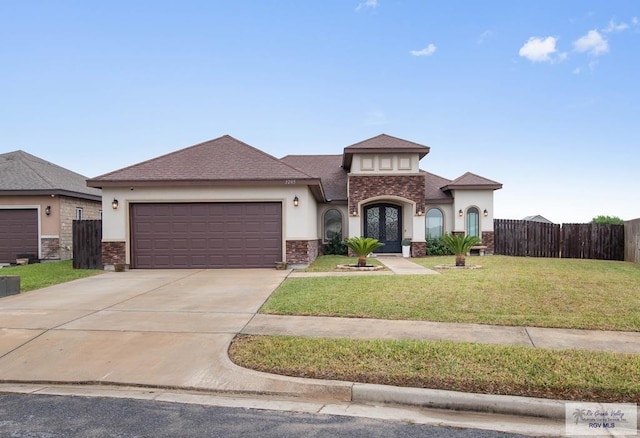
(363, 328)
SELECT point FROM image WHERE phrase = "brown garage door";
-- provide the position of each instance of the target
(18, 233)
(206, 235)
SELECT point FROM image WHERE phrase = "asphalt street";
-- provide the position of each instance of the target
(41, 416)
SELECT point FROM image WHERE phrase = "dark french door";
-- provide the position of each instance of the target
(384, 222)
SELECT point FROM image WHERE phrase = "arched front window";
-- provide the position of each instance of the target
(473, 222)
(435, 223)
(332, 223)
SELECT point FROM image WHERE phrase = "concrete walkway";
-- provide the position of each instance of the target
(395, 264)
(362, 328)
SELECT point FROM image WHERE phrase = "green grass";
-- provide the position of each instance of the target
(39, 275)
(491, 369)
(567, 293)
(328, 263)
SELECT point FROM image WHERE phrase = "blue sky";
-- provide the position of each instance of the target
(543, 97)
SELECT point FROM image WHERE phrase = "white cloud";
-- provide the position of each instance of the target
(369, 4)
(577, 71)
(592, 43)
(375, 118)
(615, 27)
(427, 51)
(634, 21)
(484, 36)
(540, 49)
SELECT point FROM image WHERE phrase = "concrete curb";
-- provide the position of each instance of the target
(461, 401)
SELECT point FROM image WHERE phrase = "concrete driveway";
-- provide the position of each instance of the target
(161, 328)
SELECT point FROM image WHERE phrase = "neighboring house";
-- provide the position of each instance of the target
(38, 202)
(537, 218)
(223, 203)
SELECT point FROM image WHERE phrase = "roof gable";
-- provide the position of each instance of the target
(471, 181)
(23, 173)
(222, 159)
(383, 144)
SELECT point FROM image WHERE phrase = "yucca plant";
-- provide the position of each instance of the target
(362, 247)
(459, 244)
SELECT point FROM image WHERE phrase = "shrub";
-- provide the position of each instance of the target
(335, 246)
(436, 247)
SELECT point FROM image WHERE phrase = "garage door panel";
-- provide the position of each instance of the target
(18, 233)
(206, 235)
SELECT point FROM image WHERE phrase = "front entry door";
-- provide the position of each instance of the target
(384, 222)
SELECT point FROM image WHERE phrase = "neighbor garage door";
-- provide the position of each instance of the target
(206, 235)
(18, 233)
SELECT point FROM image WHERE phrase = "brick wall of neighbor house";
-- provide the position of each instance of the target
(50, 248)
(90, 210)
(114, 253)
(302, 252)
(407, 186)
(418, 249)
(487, 240)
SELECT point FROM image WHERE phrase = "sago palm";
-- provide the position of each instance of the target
(362, 247)
(459, 244)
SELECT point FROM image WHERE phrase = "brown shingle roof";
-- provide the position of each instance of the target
(382, 143)
(219, 160)
(326, 167)
(22, 173)
(433, 193)
(471, 181)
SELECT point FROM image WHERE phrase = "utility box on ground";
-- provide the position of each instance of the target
(9, 285)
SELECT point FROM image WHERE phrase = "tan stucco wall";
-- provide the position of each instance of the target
(299, 223)
(481, 199)
(55, 227)
(381, 164)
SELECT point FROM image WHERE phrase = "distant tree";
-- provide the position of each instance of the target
(607, 220)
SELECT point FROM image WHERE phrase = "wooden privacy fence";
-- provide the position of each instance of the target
(87, 244)
(538, 239)
(593, 241)
(526, 238)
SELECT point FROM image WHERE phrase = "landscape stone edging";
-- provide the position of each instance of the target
(460, 401)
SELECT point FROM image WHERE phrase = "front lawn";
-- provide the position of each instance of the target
(39, 275)
(542, 292)
(490, 369)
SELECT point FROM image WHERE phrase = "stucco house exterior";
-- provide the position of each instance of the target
(223, 203)
(38, 203)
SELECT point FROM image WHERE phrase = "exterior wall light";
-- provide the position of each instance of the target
(460, 213)
(485, 213)
(419, 210)
(354, 211)
(114, 204)
(296, 201)
(47, 210)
